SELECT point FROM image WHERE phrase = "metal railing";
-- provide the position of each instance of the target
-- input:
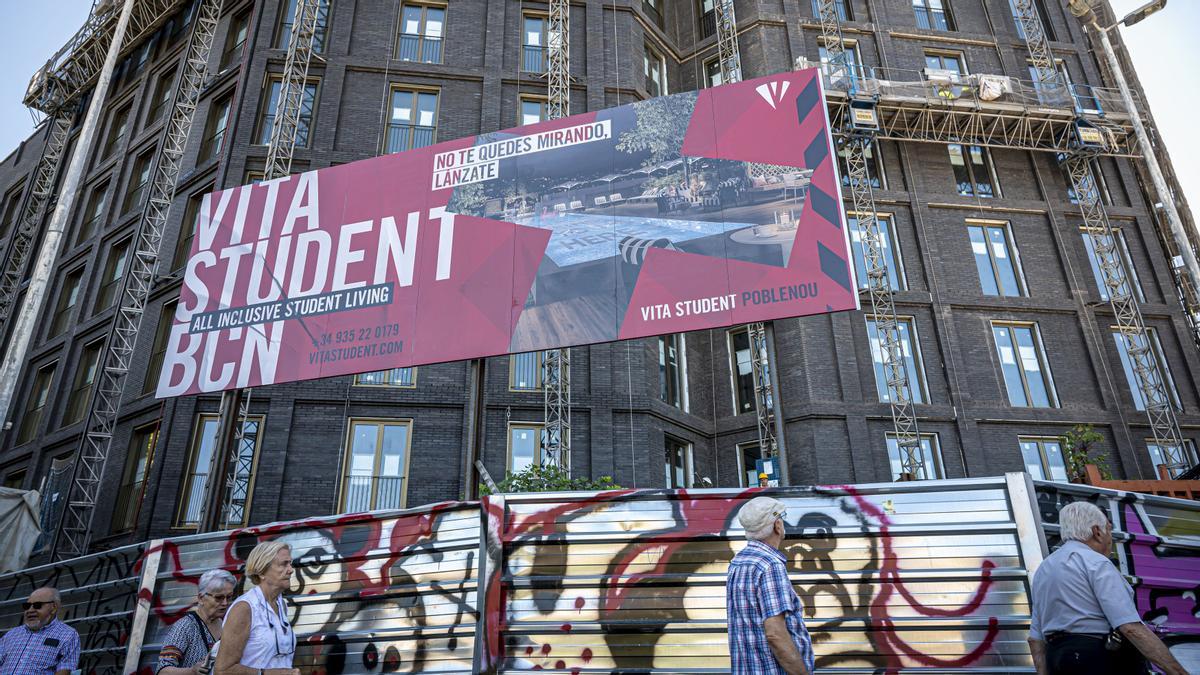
(933, 19)
(421, 48)
(371, 493)
(401, 137)
(533, 58)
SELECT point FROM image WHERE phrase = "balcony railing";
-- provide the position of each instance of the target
(401, 137)
(420, 48)
(933, 19)
(533, 59)
(371, 493)
(708, 24)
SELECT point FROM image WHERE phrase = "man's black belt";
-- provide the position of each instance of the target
(1051, 638)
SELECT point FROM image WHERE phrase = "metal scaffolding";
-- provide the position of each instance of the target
(857, 139)
(74, 532)
(235, 451)
(556, 363)
(730, 61)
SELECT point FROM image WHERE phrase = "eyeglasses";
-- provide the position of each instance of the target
(35, 605)
(289, 646)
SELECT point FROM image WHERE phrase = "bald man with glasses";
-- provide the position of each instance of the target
(41, 645)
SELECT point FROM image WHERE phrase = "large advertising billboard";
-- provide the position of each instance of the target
(679, 213)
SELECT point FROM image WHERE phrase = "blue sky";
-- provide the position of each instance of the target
(1163, 47)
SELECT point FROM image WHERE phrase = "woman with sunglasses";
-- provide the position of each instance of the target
(186, 647)
(259, 639)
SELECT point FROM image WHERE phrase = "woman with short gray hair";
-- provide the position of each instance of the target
(187, 645)
(1083, 616)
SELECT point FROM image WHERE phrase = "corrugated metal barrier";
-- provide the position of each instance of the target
(897, 576)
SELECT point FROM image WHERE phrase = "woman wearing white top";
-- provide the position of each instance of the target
(258, 639)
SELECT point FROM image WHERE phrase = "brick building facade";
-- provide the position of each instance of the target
(989, 272)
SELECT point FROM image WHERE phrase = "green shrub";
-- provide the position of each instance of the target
(549, 478)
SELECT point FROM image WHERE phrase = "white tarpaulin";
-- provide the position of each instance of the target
(19, 527)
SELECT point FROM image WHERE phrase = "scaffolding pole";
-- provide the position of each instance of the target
(556, 363)
(234, 458)
(857, 142)
(74, 532)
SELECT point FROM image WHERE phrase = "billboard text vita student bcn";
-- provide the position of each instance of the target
(679, 213)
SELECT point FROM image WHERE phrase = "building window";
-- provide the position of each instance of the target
(200, 459)
(931, 458)
(162, 333)
(933, 14)
(1094, 182)
(287, 16)
(843, 14)
(14, 480)
(672, 367)
(748, 455)
(656, 72)
(267, 124)
(215, 128)
(712, 74)
(235, 41)
(68, 297)
(525, 371)
(708, 18)
(413, 123)
(396, 377)
(139, 183)
(533, 110)
(116, 132)
(1044, 458)
(12, 207)
(420, 36)
(973, 171)
(889, 247)
(872, 160)
(114, 271)
(952, 62)
(376, 465)
(164, 89)
(187, 231)
(1159, 457)
(741, 364)
(1153, 348)
(97, 200)
(35, 405)
(678, 464)
(1043, 17)
(1023, 364)
(533, 44)
(85, 378)
(1119, 247)
(996, 259)
(912, 360)
(133, 477)
(851, 59)
(524, 446)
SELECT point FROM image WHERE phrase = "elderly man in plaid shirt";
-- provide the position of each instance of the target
(766, 633)
(42, 645)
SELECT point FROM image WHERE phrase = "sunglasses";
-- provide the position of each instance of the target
(25, 606)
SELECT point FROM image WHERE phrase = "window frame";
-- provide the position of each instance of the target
(1044, 457)
(710, 79)
(164, 91)
(76, 409)
(113, 139)
(844, 10)
(136, 193)
(62, 313)
(93, 214)
(191, 214)
(216, 129)
(1043, 362)
(421, 36)
(114, 272)
(969, 166)
(14, 479)
(740, 451)
(1043, 18)
(529, 50)
(689, 469)
(927, 7)
(1160, 360)
(11, 216)
(681, 378)
(239, 29)
(539, 450)
(901, 277)
(935, 453)
(347, 448)
(874, 157)
(184, 494)
(1189, 450)
(39, 388)
(415, 91)
(262, 132)
(539, 359)
(132, 511)
(920, 394)
(1014, 253)
(942, 54)
(283, 27)
(1131, 277)
(162, 336)
(357, 382)
(543, 103)
(734, 374)
(661, 62)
